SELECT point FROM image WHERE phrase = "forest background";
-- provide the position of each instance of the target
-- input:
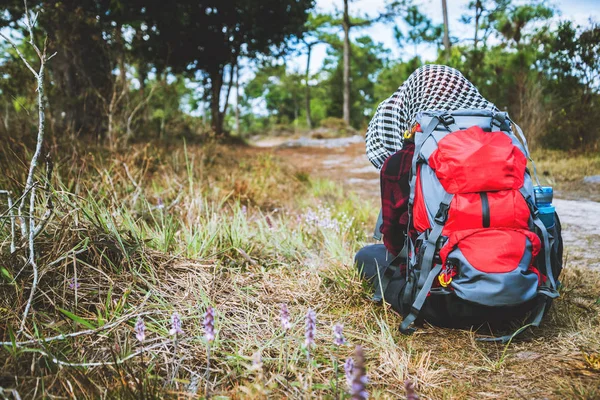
(127, 70)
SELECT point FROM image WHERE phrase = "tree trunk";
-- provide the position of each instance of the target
(346, 25)
(216, 82)
(307, 97)
(446, 34)
(478, 12)
(295, 112)
(237, 100)
(229, 86)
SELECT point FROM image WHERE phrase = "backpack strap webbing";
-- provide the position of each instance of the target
(427, 274)
(535, 318)
(419, 301)
(527, 153)
(427, 271)
(540, 225)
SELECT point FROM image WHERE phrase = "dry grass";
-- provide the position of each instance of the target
(180, 229)
(566, 171)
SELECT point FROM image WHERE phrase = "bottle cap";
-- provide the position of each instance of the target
(543, 194)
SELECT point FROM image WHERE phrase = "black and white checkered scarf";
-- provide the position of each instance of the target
(431, 87)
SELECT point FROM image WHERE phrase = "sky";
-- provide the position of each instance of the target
(577, 10)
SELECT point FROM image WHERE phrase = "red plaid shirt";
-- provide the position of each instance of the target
(395, 192)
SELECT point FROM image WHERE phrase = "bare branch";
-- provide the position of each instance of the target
(246, 256)
(12, 219)
(138, 188)
(118, 361)
(31, 260)
(28, 225)
(136, 109)
(14, 46)
(64, 336)
(49, 202)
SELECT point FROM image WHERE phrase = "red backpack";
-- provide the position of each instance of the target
(478, 252)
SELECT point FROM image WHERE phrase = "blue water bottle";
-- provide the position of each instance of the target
(543, 201)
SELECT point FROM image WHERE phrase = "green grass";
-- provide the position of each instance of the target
(242, 232)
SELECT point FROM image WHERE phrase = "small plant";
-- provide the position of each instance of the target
(175, 331)
(309, 341)
(349, 371)
(257, 367)
(285, 318)
(409, 387)
(209, 337)
(358, 390)
(140, 335)
(311, 328)
(140, 330)
(338, 340)
(338, 335)
(286, 326)
(176, 328)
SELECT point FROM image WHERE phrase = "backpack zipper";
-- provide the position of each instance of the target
(485, 209)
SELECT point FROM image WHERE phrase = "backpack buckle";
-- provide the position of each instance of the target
(499, 119)
(447, 119)
(442, 214)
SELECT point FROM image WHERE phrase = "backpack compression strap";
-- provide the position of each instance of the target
(428, 131)
(428, 272)
(540, 225)
(534, 320)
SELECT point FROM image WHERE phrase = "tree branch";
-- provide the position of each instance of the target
(12, 219)
(28, 225)
(137, 108)
(49, 203)
(14, 46)
(233, 65)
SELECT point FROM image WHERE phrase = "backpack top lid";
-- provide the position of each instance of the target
(466, 118)
(463, 119)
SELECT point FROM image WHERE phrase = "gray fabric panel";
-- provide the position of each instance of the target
(494, 289)
(527, 186)
(428, 148)
(435, 192)
(516, 142)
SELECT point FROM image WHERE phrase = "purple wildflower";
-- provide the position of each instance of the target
(359, 376)
(285, 317)
(311, 327)
(209, 325)
(338, 335)
(411, 394)
(73, 283)
(349, 370)
(176, 324)
(140, 329)
(244, 210)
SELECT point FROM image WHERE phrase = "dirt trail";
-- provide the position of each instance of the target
(345, 161)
